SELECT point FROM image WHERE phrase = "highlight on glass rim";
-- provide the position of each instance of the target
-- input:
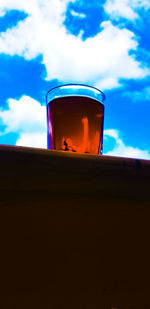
(75, 118)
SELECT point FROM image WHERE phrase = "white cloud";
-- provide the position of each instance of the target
(125, 8)
(122, 150)
(76, 14)
(108, 83)
(38, 140)
(120, 8)
(100, 60)
(27, 117)
(53, 9)
(24, 115)
(111, 133)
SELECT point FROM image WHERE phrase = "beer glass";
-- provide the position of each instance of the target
(75, 117)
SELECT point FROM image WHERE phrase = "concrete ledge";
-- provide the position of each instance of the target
(74, 229)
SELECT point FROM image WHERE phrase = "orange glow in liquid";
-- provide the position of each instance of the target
(75, 124)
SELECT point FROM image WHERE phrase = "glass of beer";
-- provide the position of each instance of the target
(75, 117)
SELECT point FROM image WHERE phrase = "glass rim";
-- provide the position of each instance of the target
(78, 85)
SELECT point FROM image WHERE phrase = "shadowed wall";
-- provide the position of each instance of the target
(74, 230)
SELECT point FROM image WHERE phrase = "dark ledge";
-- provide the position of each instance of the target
(75, 230)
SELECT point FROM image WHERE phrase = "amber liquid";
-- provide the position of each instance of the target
(75, 123)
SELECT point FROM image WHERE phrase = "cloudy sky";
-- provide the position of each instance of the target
(103, 43)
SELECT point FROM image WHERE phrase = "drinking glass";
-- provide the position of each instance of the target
(75, 117)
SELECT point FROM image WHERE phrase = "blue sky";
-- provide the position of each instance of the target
(44, 43)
